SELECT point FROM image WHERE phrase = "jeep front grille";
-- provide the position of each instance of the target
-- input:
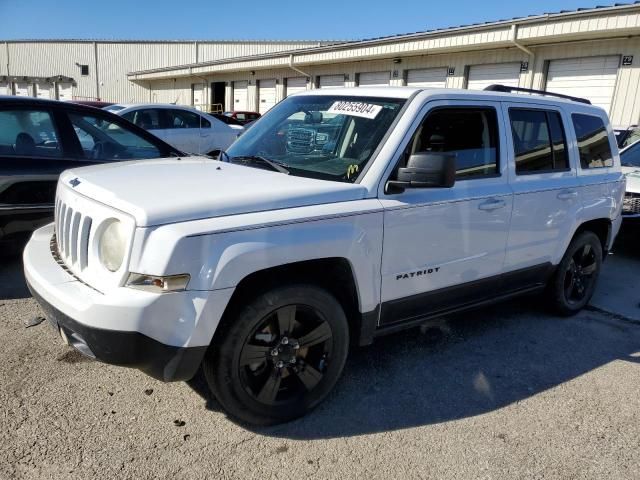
(72, 234)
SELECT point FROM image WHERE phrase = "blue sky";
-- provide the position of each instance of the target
(251, 19)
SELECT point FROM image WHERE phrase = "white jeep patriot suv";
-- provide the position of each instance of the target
(340, 216)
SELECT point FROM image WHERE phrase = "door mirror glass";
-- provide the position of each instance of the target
(426, 170)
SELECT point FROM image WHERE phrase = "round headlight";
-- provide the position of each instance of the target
(112, 245)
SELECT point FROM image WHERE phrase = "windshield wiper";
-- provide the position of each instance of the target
(247, 159)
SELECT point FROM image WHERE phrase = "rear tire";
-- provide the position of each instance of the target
(279, 356)
(575, 280)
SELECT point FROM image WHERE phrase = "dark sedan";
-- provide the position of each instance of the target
(41, 138)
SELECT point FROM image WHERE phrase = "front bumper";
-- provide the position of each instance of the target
(164, 335)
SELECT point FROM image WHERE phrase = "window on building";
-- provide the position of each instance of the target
(539, 141)
(84, 70)
(28, 133)
(593, 141)
(471, 133)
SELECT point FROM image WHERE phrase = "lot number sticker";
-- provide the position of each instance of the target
(356, 109)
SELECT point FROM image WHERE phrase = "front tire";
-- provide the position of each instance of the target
(280, 356)
(575, 279)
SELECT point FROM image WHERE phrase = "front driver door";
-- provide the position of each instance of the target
(445, 247)
(32, 156)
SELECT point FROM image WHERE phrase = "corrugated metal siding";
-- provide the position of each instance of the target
(216, 51)
(116, 59)
(3, 59)
(619, 21)
(34, 60)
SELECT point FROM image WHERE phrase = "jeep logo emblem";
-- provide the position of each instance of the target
(75, 182)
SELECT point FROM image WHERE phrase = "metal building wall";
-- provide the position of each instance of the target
(116, 59)
(625, 109)
(36, 60)
(215, 51)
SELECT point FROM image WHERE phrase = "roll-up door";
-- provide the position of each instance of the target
(374, 79)
(23, 89)
(331, 81)
(65, 91)
(266, 95)
(427, 77)
(481, 76)
(240, 96)
(593, 78)
(44, 90)
(295, 85)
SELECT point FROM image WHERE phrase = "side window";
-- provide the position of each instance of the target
(28, 133)
(593, 141)
(102, 139)
(185, 119)
(539, 141)
(148, 118)
(471, 133)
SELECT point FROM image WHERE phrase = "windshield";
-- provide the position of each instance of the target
(319, 136)
(631, 138)
(631, 156)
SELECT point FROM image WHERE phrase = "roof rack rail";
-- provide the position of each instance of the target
(508, 89)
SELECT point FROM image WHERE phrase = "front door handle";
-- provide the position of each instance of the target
(567, 194)
(492, 204)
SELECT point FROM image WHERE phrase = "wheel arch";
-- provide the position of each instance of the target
(334, 274)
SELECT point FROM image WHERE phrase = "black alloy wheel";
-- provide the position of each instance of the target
(286, 356)
(576, 276)
(278, 355)
(579, 274)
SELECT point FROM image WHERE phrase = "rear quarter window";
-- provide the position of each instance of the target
(593, 141)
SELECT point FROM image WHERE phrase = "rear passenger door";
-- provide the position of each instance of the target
(445, 247)
(546, 201)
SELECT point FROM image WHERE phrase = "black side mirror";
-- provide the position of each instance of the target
(425, 170)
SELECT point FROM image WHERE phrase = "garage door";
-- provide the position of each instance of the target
(427, 77)
(331, 81)
(593, 78)
(295, 85)
(481, 76)
(44, 90)
(23, 89)
(65, 91)
(266, 95)
(240, 96)
(374, 79)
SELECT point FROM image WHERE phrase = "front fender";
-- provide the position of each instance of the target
(221, 260)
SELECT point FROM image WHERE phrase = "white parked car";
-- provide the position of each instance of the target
(630, 159)
(185, 128)
(340, 216)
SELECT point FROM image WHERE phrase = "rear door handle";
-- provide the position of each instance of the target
(492, 204)
(567, 194)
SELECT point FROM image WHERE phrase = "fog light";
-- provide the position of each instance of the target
(156, 284)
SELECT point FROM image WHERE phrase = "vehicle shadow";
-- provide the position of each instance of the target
(465, 366)
(12, 283)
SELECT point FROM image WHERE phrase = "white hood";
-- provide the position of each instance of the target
(633, 178)
(157, 192)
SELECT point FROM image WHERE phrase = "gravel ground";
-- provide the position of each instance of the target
(507, 392)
